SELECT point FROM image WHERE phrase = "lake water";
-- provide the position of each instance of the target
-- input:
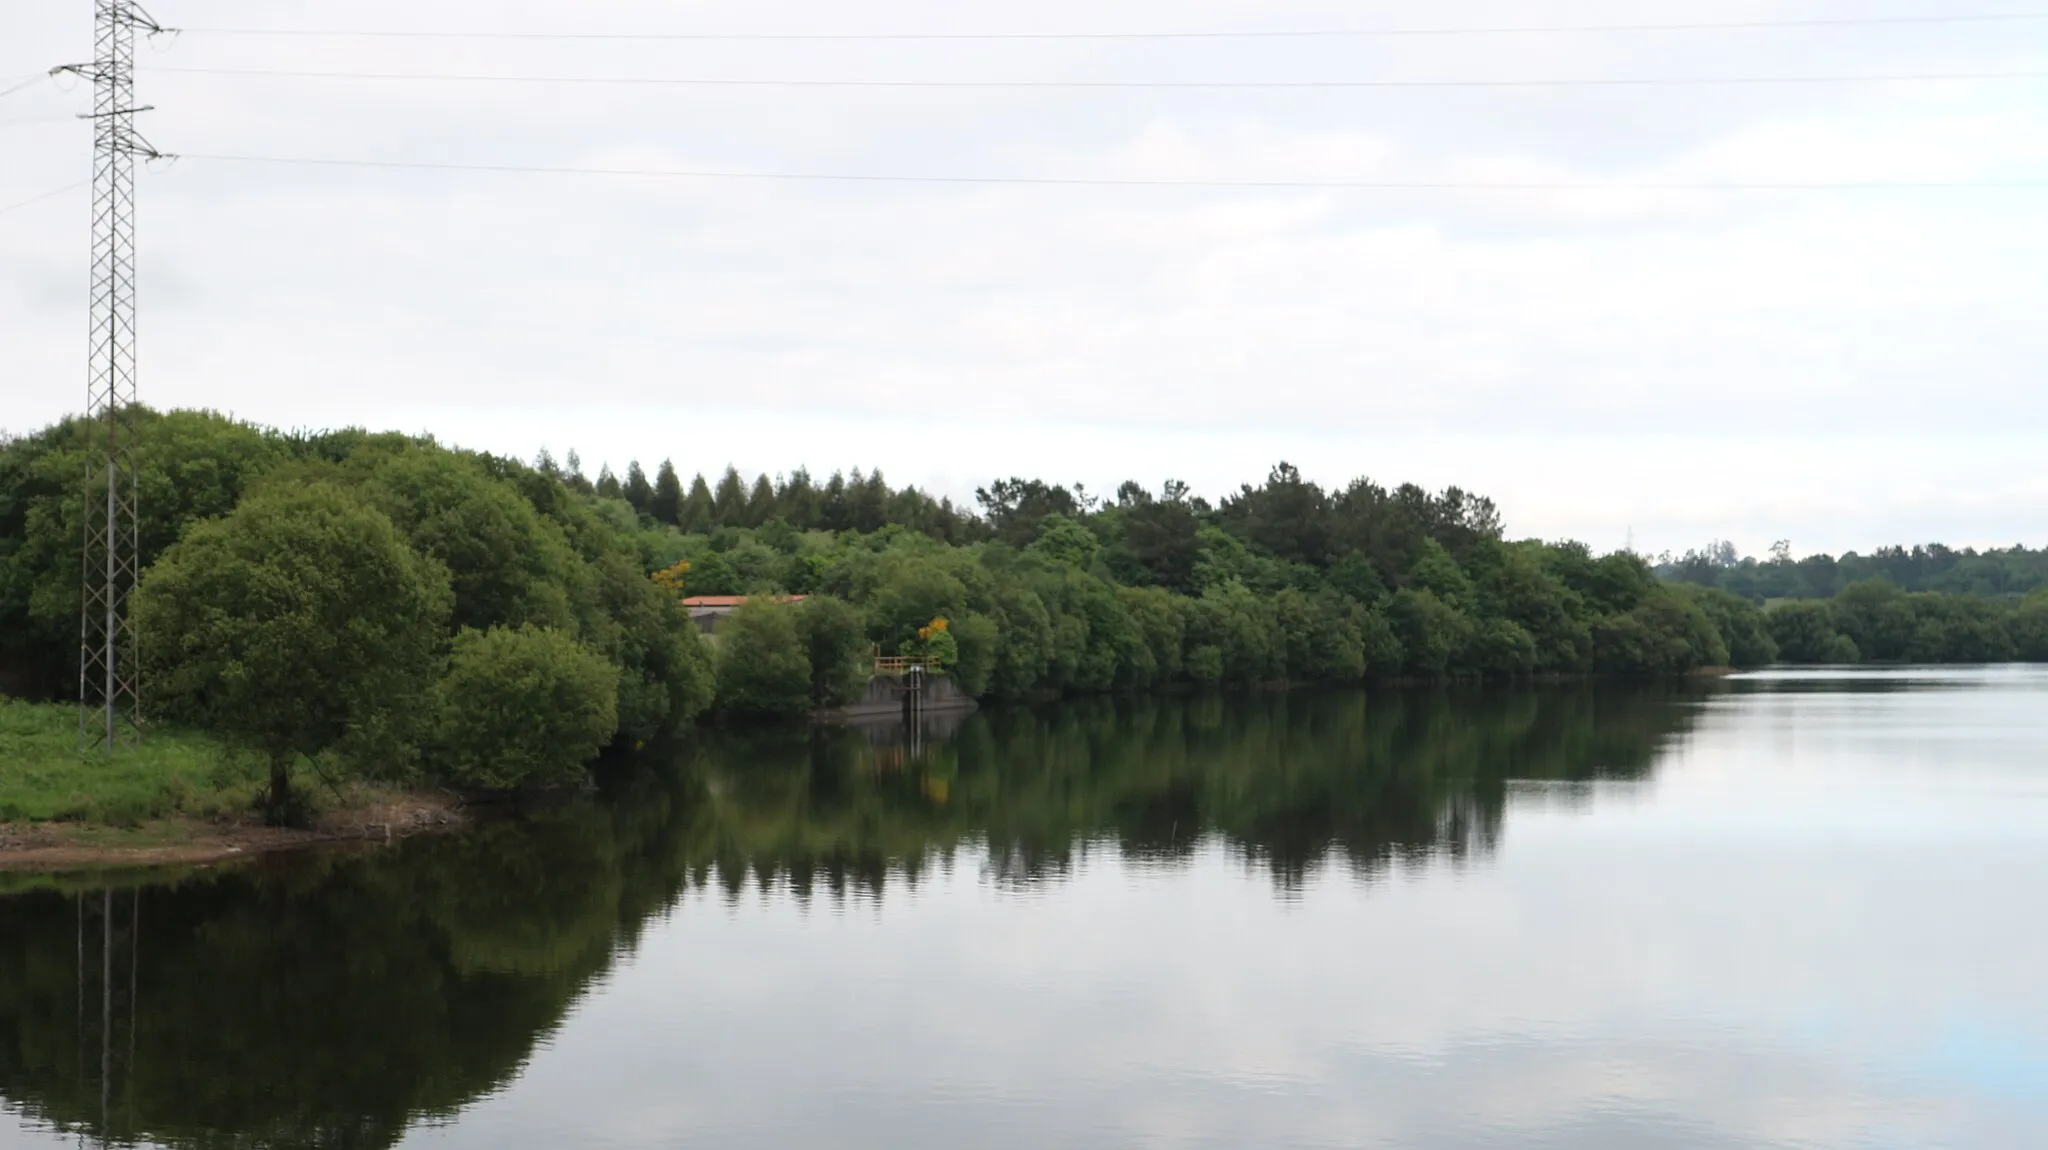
(1800, 910)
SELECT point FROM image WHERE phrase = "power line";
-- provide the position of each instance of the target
(1328, 185)
(1284, 34)
(45, 196)
(24, 84)
(1621, 82)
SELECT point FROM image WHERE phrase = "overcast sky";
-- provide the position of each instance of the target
(1842, 369)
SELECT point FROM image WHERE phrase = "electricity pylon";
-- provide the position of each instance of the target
(109, 693)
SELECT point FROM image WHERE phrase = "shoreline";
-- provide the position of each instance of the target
(60, 847)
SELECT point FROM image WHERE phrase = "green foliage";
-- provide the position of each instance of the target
(1431, 632)
(1500, 648)
(764, 668)
(977, 639)
(2030, 628)
(1053, 592)
(1959, 629)
(1062, 540)
(1016, 507)
(507, 564)
(666, 676)
(1436, 572)
(1663, 635)
(1287, 518)
(665, 505)
(729, 501)
(933, 644)
(191, 465)
(522, 709)
(912, 589)
(300, 620)
(1353, 575)
(639, 493)
(1804, 631)
(1157, 540)
(1741, 626)
(2008, 573)
(836, 645)
(1878, 618)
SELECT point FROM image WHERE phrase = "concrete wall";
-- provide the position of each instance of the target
(884, 698)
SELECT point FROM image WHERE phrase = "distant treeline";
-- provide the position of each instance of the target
(1928, 604)
(2013, 571)
(384, 600)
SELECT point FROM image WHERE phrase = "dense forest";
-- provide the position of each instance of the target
(378, 602)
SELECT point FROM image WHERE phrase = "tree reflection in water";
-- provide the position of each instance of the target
(335, 999)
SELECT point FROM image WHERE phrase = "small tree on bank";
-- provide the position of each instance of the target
(835, 641)
(763, 668)
(523, 709)
(294, 623)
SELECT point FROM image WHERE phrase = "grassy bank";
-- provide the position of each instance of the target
(177, 798)
(45, 777)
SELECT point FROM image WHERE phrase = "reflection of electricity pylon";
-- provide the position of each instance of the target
(117, 998)
(108, 693)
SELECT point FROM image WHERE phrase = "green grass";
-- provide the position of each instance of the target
(45, 777)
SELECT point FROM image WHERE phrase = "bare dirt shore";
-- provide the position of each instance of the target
(172, 842)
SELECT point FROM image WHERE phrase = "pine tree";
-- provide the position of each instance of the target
(667, 504)
(697, 512)
(608, 484)
(761, 502)
(832, 508)
(867, 501)
(797, 500)
(574, 478)
(729, 503)
(639, 492)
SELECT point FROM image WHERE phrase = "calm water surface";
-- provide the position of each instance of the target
(1802, 909)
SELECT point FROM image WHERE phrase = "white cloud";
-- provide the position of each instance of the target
(1544, 346)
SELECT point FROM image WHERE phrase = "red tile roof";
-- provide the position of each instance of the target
(734, 600)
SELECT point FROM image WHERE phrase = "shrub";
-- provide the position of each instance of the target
(977, 638)
(763, 668)
(1430, 631)
(1740, 623)
(2030, 628)
(523, 709)
(835, 643)
(1805, 633)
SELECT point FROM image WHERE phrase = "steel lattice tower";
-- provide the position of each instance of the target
(109, 696)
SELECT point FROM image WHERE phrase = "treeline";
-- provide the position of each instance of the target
(1875, 621)
(860, 502)
(383, 603)
(2013, 571)
(1068, 594)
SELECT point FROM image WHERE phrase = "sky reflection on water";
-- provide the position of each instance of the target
(1804, 918)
